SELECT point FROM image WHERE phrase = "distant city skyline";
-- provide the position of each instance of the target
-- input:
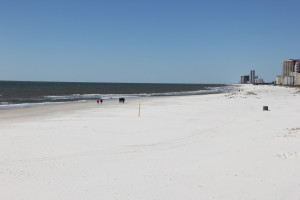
(146, 41)
(251, 78)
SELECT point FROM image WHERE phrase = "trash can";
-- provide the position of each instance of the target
(265, 108)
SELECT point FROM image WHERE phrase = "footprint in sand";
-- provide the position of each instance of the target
(289, 155)
(291, 133)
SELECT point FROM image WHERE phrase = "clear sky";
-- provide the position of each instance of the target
(156, 41)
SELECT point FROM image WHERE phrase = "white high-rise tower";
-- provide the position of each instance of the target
(297, 67)
(252, 76)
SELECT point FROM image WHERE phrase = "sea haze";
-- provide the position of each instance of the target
(16, 94)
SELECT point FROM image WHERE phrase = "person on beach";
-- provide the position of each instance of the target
(101, 101)
(98, 100)
(122, 100)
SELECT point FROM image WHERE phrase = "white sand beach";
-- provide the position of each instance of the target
(220, 146)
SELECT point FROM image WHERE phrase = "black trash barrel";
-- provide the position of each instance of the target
(265, 108)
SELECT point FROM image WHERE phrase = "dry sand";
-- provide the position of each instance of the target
(220, 146)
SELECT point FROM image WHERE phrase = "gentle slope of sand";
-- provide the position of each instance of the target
(220, 146)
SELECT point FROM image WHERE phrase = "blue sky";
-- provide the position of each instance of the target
(178, 41)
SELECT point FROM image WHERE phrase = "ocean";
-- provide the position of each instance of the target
(19, 94)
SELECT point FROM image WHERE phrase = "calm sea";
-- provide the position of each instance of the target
(17, 94)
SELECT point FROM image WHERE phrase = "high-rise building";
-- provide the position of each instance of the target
(244, 79)
(288, 66)
(297, 67)
(252, 76)
(279, 80)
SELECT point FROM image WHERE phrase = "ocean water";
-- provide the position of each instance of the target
(18, 94)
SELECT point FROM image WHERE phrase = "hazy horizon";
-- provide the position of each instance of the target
(112, 82)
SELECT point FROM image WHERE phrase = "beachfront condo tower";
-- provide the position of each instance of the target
(297, 67)
(252, 76)
(288, 66)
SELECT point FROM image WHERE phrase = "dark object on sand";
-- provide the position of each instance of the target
(122, 100)
(265, 108)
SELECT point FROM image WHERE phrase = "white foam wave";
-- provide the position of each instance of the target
(208, 90)
(95, 96)
(25, 105)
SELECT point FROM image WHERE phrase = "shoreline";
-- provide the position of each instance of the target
(29, 113)
(18, 113)
(35, 98)
(24, 114)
